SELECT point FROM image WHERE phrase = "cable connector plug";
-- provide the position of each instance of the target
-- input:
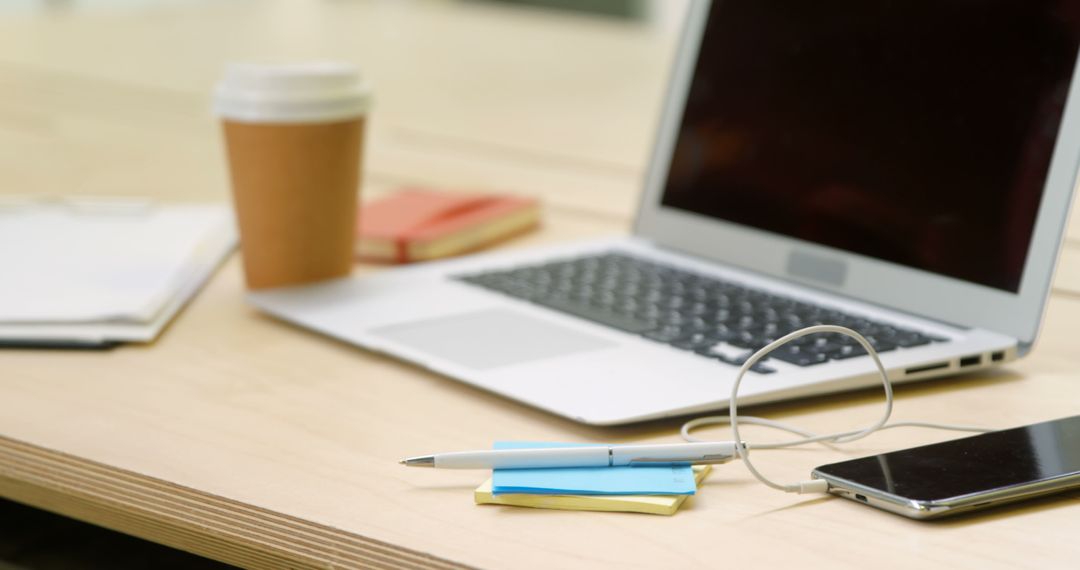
(807, 487)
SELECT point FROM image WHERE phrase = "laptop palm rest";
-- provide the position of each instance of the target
(490, 338)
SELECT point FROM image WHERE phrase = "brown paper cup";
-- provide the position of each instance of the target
(295, 189)
(294, 138)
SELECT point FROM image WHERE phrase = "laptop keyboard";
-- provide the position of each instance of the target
(718, 319)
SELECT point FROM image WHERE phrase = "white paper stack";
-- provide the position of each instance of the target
(98, 272)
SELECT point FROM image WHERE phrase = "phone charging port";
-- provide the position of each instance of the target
(859, 497)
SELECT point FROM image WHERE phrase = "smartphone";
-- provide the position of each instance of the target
(964, 474)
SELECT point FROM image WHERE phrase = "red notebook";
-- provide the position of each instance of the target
(417, 225)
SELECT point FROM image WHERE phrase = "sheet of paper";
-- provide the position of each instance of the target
(67, 263)
(661, 480)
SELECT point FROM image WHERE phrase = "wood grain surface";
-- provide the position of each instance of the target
(246, 440)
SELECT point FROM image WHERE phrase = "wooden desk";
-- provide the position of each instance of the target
(245, 440)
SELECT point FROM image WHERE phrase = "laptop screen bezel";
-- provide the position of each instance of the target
(868, 279)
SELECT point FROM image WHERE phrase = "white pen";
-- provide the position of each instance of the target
(587, 456)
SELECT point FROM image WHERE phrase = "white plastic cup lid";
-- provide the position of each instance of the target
(291, 93)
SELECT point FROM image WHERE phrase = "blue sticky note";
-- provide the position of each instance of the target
(653, 480)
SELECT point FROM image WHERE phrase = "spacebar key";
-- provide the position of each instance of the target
(613, 320)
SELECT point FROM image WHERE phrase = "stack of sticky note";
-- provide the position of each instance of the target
(657, 490)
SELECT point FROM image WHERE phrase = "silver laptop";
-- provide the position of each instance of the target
(901, 168)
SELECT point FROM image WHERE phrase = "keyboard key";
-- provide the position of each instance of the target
(694, 341)
(850, 351)
(609, 318)
(665, 335)
(759, 367)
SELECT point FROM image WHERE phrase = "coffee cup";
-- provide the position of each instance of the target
(294, 137)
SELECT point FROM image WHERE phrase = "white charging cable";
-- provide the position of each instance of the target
(811, 485)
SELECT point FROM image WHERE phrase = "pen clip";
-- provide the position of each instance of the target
(705, 459)
(714, 459)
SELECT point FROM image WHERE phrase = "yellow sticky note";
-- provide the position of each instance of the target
(649, 504)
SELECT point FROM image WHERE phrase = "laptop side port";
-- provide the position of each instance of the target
(997, 356)
(927, 368)
(971, 360)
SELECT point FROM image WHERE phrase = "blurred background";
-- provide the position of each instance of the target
(535, 87)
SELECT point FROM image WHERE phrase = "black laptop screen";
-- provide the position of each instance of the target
(914, 131)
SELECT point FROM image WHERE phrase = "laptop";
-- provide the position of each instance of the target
(900, 168)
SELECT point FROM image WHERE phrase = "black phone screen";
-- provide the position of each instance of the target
(996, 460)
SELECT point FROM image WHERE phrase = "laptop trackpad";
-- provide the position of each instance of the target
(490, 338)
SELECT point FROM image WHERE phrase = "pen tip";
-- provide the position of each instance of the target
(423, 461)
